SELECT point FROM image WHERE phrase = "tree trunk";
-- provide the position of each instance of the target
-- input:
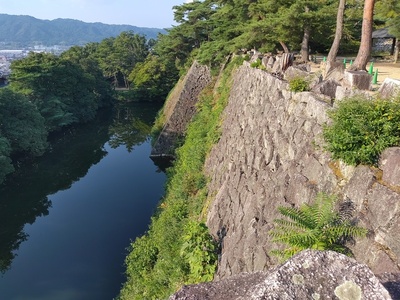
(338, 33)
(126, 82)
(285, 48)
(396, 52)
(304, 44)
(393, 46)
(306, 38)
(364, 51)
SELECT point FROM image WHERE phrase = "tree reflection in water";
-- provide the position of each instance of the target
(23, 197)
(128, 128)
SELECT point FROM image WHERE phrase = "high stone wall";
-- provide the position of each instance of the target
(270, 155)
(180, 109)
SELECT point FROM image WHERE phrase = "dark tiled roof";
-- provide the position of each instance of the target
(381, 34)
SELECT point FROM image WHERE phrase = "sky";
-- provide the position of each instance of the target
(141, 13)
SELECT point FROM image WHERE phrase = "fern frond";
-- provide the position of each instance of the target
(289, 224)
(286, 253)
(345, 231)
(304, 239)
(323, 209)
(316, 226)
(296, 215)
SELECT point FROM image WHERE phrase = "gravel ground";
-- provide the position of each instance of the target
(387, 70)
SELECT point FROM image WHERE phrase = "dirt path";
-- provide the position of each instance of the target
(386, 70)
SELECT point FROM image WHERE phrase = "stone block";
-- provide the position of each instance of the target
(389, 88)
(389, 163)
(277, 65)
(383, 205)
(359, 185)
(293, 72)
(357, 79)
(333, 70)
(181, 110)
(327, 88)
(343, 92)
(270, 62)
(304, 67)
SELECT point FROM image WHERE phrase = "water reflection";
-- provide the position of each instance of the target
(24, 196)
(129, 128)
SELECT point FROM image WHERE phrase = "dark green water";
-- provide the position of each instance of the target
(67, 218)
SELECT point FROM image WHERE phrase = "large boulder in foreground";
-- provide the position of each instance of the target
(310, 274)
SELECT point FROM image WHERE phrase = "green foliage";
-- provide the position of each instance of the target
(5, 162)
(65, 90)
(141, 261)
(317, 226)
(114, 56)
(129, 49)
(257, 64)
(46, 93)
(299, 84)
(389, 12)
(219, 28)
(362, 129)
(22, 130)
(21, 125)
(154, 78)
(199, 250)
(181, 251)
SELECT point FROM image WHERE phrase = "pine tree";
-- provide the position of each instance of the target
(364, 51)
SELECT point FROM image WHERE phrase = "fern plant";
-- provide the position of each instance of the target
(318, 226)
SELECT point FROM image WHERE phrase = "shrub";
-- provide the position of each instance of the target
(200, 251)
(257, 64)
(318, 226)
(299, 84)
(362, 129)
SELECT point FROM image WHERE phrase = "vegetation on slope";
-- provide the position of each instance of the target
(177, 248)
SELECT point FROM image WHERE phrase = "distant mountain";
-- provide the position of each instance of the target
(27, 31)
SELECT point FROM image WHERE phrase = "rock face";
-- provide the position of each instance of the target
(357, 79)
(389, 88)
(327, 88)
(270, 154)
(180, 109)
(308, 275)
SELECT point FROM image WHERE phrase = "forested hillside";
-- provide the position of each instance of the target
(48, 93)
(25, 31)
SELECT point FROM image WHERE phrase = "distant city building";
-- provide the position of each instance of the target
(7, 55)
